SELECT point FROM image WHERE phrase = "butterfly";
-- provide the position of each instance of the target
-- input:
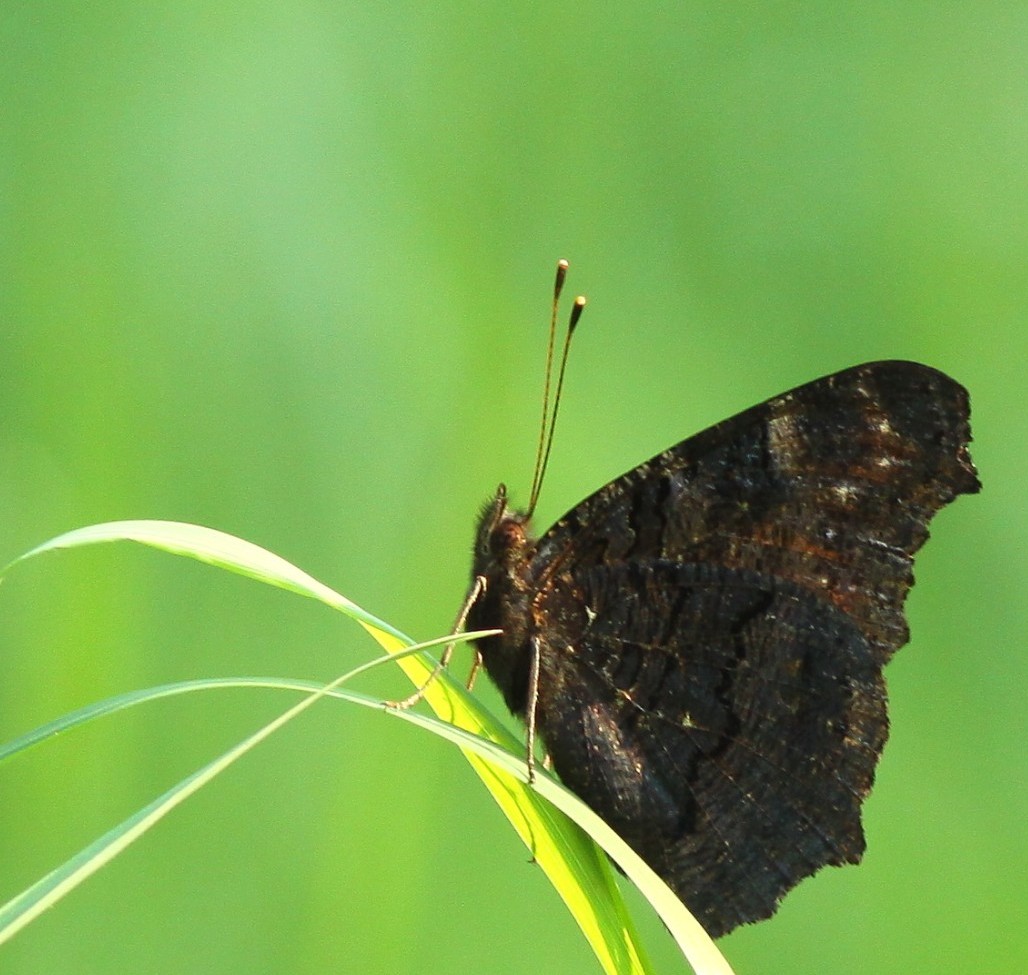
(700, 643)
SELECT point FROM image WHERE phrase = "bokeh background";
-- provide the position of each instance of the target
(283, 269)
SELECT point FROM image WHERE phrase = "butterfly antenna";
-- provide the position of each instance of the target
(548, 428)
(558, 286)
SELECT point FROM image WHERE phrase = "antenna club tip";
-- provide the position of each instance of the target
(558, 285)
(576, 314)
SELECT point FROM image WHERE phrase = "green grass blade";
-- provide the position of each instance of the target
(30, 903)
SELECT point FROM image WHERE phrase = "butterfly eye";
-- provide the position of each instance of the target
(489, 520)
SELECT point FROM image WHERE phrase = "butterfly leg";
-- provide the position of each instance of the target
(530, 708)
(476, 666)
(476, 590)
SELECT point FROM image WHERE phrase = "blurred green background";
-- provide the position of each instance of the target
(283, 269)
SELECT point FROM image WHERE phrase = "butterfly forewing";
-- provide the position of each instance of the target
(830, 485)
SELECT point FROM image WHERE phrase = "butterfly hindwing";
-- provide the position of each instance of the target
(726, 724)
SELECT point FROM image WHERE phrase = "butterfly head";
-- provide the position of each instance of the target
(503, 539)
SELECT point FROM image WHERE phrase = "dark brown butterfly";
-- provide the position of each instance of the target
(700, 643)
